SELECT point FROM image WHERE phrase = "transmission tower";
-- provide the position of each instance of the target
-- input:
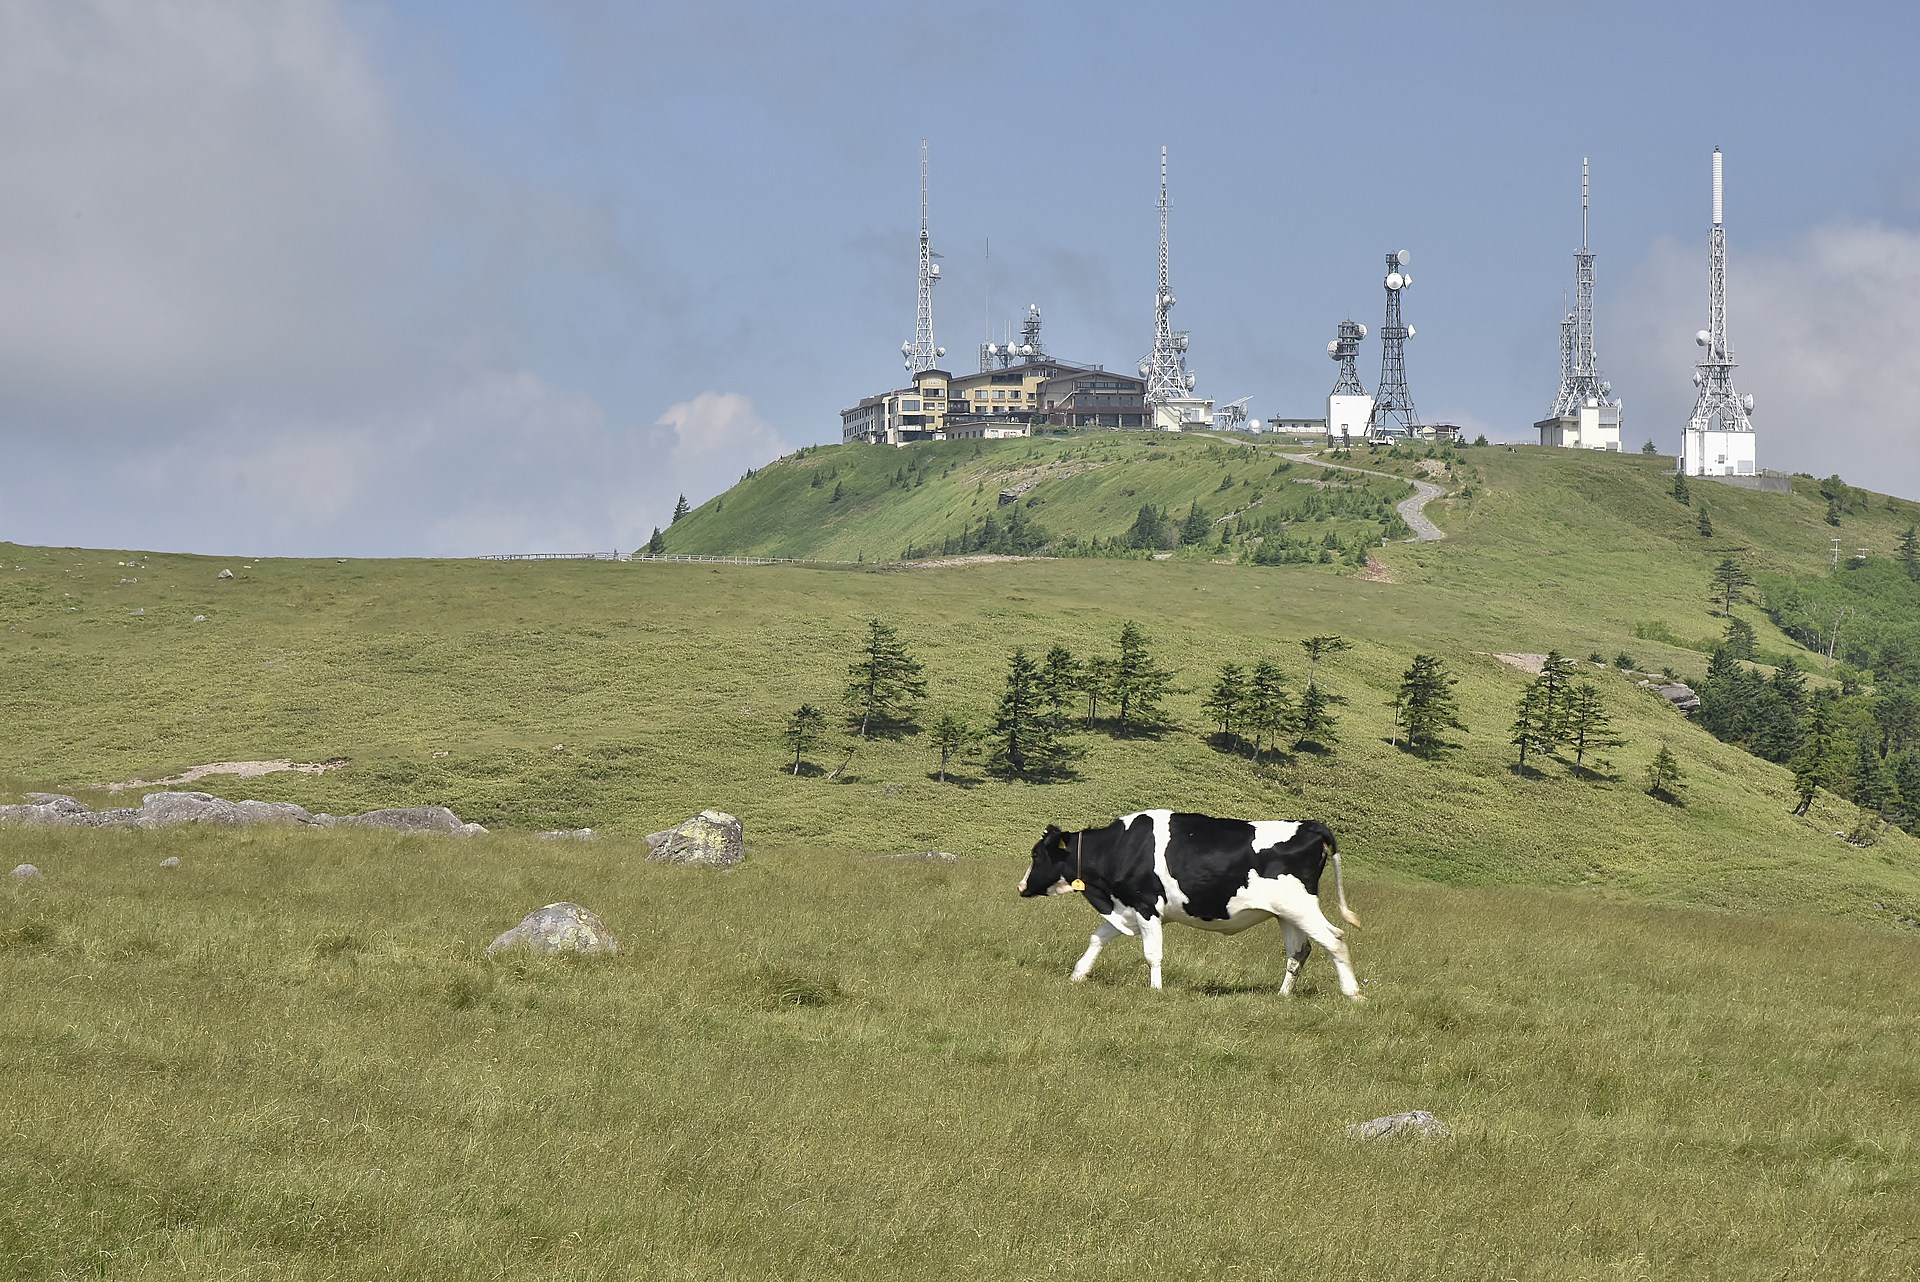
(1580, 380)
(1719, 437)
(1346, 350)
(921, 353)
(1166, 368)
(1393, 412)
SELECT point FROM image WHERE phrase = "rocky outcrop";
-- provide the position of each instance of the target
(173, 809)
(555, 929)
(711, 839)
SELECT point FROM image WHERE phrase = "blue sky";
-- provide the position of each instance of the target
(307, 276)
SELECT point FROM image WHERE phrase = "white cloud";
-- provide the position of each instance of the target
(1825, 329)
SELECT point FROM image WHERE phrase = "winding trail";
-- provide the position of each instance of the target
(1412, 511)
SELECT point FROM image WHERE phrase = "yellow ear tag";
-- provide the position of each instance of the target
(1078, 884)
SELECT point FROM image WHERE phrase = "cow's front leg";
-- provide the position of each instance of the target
(1299, 947)
(1102, 933)
(1150, 945)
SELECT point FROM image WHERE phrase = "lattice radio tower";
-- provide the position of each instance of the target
(1166, 368)
(1719, 407)
(921, 353)
(1580, 379)
(1393, 412)
(1346, 349)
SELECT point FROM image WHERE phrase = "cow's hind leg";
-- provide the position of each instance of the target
(1299, 947)
(1290, 902)
(1102, 933)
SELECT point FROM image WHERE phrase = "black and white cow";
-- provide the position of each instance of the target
(1217, 874)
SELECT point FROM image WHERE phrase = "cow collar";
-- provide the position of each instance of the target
(1079, 854)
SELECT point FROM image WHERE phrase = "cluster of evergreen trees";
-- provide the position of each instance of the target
(1256, 712)
(1557, 714)
(1027, 736)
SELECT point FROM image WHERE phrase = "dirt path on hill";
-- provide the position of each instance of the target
(1412, 511)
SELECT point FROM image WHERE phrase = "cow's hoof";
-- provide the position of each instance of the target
(1356, 997)
(1076, 979)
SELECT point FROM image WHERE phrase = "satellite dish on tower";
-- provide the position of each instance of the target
(933, 270)
(1747, 401)
(1404, 257)
(1333, 348)
(1701, 338)
(1363, 331)
(939, 351)
(1409, 331)
(1394, 280)
(1406, 280)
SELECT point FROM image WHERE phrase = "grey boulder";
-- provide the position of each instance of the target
(711, 839)
(171, 861)
(409, 819)
(25, 872)
(1417, 1122)
(557, 928)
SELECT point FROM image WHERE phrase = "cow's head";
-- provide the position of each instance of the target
(1052, 866)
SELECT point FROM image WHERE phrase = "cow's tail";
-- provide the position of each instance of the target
(1339, 884)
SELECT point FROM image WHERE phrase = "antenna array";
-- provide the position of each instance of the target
(1393, 412)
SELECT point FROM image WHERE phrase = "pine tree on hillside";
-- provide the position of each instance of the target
(1196, 527)
(680, 509)
(1663, 776)
(1425, 704)
(803, 731)
(1824, 759)
(1025, 745)
(1589, 728)
(1555, 684)
(1909, 553)
(1315, 722)
(1739, 639)
(1681, 493)
(1224, 702)
(1728, 578)
(1528, 731)
(952, 736)
(1061, 680)
(883, 684)
(1322, 647)
(1269, 706)
(1139, 682)
(1706, 522)
(657, 544)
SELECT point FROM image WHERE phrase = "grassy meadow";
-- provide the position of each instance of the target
(1673, 1040)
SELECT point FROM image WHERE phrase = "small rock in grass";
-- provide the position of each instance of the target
(224, 574)
(566, 834)
(557, 928)
(26, 872)
(1417, 1122)
(141, 610)
(199, 618)
(171, 861)
(470, 830)
(931, 856)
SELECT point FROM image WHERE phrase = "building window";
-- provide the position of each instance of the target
(910, 405)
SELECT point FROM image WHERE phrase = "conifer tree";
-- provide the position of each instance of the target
(883, 684)
(1061, 679)
(1224, 702)
(803, 731)
(1425, 704)
(1909, 552)
(1738, 639)
(1025, 745)
(1096, 680)
(680, 509)
(1589, 727)
(1706, 522)
(952, 735)
(1681, 493)
(1138, 682)
(1823, 758)
(1528, 732)
(657, 544)
(1315, 721)
(1663, 776)
(1196, 527)
(1269, 707)
(1555, 683)
(1728, 578)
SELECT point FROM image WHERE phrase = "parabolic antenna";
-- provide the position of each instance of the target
(1406, 280)
(939, 351)
(1701, 338)
(1253, 425)
(1404, 257)
(1747, 401)
(1191, 380)
(1143, 369)
(1394, 280)
(933, 269)
(1363, 331)
(1333, 348)
(1409, 331)
(1180, 341)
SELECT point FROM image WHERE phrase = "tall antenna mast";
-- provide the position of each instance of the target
(1719, 438)
(1165, 369)
(921, 353)
(1580, 381)
(1346, 349)
(1393, 412)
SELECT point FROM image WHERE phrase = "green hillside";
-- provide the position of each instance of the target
(1672, 1036)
